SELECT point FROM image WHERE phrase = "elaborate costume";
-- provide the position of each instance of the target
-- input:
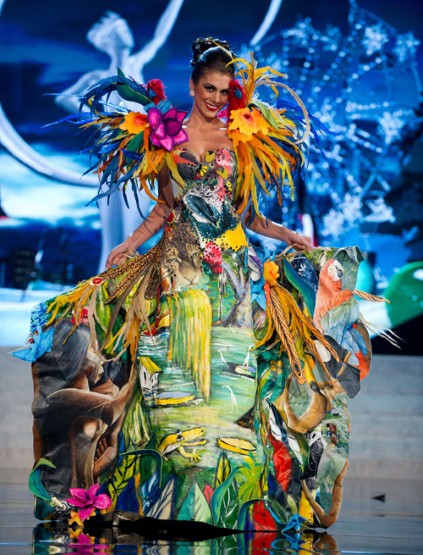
(197, 382)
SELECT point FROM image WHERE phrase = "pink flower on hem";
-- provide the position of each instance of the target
(166, 129)
(88, 501)
(85, 545)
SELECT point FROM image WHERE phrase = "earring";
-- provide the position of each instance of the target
(191, 92)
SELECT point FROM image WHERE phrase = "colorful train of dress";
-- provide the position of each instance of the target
(198, 382)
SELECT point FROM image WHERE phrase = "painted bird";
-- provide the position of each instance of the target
(286, 445)
(155, 89)
(336, 314)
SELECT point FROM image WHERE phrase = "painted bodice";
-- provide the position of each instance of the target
(205, 200)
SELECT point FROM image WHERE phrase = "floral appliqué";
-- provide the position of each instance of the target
(213, 257)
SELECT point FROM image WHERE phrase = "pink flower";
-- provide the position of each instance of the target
(85, 545)
(88, 501)
(213, 257)
(166, 129)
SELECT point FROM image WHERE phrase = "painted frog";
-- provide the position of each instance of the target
(180, 440)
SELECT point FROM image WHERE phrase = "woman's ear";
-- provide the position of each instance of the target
(191, 87)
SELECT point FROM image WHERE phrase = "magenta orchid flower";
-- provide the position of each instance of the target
(166, 129)
(85, 545)
(87, 500)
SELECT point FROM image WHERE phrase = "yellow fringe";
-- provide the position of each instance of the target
(190, 331)
(290, 324)
(370, 297)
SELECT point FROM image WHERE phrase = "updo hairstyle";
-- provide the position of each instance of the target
(211, 54)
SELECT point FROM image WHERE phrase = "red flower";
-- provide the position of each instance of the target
(155, 89)
(213, 257)
(82, 317)
(236, 97)
(208, 492)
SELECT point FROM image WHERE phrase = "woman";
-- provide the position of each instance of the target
(209, 87)
(191, 383)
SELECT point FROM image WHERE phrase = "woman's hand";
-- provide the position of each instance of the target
(276, 231)
(297, 241)
(119, 254)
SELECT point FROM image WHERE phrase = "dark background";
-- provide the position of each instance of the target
(44, 50)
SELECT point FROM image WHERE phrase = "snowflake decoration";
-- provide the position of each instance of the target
(349, 83)
(327, 115)
(337, 221)
(301, 32)
(391, 125)
(379, 211)
(331, 39)
(375, 37)
(406, 47)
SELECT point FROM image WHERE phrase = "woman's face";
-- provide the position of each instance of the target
(211, 93)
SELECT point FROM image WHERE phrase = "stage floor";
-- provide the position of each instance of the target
(382, 511)
(378, 517)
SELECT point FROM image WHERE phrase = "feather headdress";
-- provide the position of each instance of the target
(268, 140)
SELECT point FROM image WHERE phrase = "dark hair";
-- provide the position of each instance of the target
(211, 54)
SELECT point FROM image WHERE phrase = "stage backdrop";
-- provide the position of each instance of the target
(357, 67)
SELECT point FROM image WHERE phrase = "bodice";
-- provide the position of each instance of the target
(204, 198)
(219, 166)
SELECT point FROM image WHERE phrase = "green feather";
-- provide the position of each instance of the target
(135, 143)
(128, 93)
(268, 113)
(302, 286)
(34, 480)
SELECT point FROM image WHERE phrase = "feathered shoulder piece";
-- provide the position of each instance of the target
(129, 146)
(268, 141)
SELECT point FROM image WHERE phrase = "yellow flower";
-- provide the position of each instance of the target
(75, 518)
(134, 123)
(248, 121)
(270, 272)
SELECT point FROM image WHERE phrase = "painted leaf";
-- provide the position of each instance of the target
(225, 503)
(34, 480)
(121, 477)
(278, 512)
(303, 287)
(195, 506)
(208, 492)
(250, 480)
(163, 507)
(223, 470)
(263, 519)
(244, 517)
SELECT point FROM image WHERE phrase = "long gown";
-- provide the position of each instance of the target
(191, 385)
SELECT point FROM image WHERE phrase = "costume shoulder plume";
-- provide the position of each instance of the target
(128, 147)
(268, 141)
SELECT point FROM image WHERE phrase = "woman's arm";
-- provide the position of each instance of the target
(276, 231)
(149, 227)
